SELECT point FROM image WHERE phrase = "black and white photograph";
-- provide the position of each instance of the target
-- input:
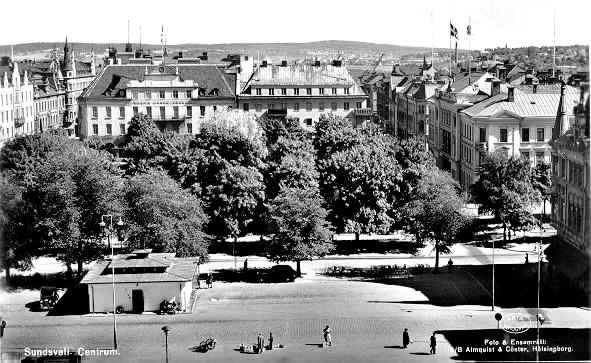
(306, 181)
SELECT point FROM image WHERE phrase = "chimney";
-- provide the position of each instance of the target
(264, 64)
(204, 56)
(180, 55)
(283, 63)
(337, 63)
(535, 87)
(316, 63)
(495, 88)
(510, 94)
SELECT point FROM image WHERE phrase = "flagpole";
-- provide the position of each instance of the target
(469, 49)
(432, 39)
(450, 52)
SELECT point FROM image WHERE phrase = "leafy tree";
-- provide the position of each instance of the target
(334, 134)
(274, 129)
(362, 187)
(505, 189)
(233, 200)
(301, 230)
(542, 182)
(16, 242)
(163, 216)
(434, 211)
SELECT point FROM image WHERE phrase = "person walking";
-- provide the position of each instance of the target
(271, 341)
(526, 258)
(260, 343)
(433, 344)
(405, 338)
(246, 265)
(327, 337)
(210, 281)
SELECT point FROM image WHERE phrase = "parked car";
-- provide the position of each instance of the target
(49, 297)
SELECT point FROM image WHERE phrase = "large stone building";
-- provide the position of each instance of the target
(177, 96)
(300, 91)
(17, 108)
(571, 215)
(517, 122)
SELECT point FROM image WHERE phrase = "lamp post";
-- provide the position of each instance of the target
(493, 275)
(166, 329)
(108, 228)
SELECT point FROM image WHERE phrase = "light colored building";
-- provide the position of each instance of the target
(301, 91)
(143, 280)
(517, 123)
(177, 96)
(413, 109)
(571, 214)
(17, 108)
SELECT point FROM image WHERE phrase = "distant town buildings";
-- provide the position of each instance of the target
(571, 212)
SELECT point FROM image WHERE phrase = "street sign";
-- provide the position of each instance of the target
(498, 316)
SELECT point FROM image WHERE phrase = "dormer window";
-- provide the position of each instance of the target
(258, 91)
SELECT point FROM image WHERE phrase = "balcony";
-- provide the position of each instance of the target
(19, 121)
(363, 112)
(172, 119)
(481, 146)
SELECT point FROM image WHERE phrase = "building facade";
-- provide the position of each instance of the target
(301, 91)
(177, 96)
(571, 212)
(17, 108)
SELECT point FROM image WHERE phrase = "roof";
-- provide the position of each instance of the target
(526, 105)
(179, 269)
(115, 77)
(421, 91)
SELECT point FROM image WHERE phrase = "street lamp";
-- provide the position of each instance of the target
(493, 275)
(166, 329)
(108, 228)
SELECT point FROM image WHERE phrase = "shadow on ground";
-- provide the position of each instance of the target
(515, 286)
(562, 344)
(73, 302)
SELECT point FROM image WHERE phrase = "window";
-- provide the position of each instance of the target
(258, 91)
(296, 91)
(284, 91)
(296, 106)
(122, 129)
(308, 106)
(245, 106)
(162, 113)
(308, 121)
(334, 91)
(308, 91)
(175, 94)
(284, 106)
(525, 135)
(162, 95)
(482, 135)
(525, 155)
(258, 107)
(540, 133)
(333, 106)
(135, 110)
(94, 112)
(108, 111)
(320, 91)
(175, 111)
(321, 106)
(149, 111)
(270, 106)
(122, 112)
(189, 111)
(188, 94)
(95, 129)
(109, 129)
(539, 157)
(148, 95)
(503, 135)
(189, 128)
(271, 91)
(346, 106)
(202, 110)
(358, 105)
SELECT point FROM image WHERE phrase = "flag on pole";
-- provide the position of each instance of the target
(469, 30)
(453, 31)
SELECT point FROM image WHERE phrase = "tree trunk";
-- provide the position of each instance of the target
(298, 268)
(7, 272)
(80, 262)
(504, 232)
(544, 213)
(436, 256)
(68, 270)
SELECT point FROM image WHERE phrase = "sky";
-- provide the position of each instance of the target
(415, 23)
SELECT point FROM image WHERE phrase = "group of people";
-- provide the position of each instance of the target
(406, 341)
(261, 343)
(208, 281)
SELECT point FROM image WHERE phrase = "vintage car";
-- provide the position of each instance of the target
(49, 297)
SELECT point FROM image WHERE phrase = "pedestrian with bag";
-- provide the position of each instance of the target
(327, 337)
(433, 344)
(405, 338)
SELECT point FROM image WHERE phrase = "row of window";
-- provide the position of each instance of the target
(296, 91)
(540, 156)
(49, 104)
(161, 113)
(15, 97)
(6, 115)
(148, 95)
(296, 106)
(569, 170)
(569, 211)
(123, 129)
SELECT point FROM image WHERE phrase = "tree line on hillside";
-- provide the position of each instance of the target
(238, 175)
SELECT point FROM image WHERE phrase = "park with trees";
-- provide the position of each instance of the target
(239, 176)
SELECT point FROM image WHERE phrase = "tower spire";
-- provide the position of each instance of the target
(561, 124)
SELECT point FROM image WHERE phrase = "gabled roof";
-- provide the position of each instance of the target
(115, 77)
